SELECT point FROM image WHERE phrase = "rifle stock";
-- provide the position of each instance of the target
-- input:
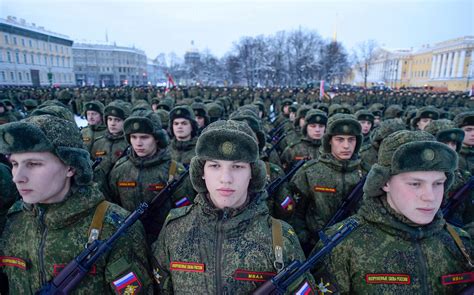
(275, 184)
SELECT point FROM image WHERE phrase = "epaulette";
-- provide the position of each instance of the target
(121, 161)
(309, 163)
(177, 213)
(16, 207)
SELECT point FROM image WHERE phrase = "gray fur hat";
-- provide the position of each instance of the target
(342, 124)
(146, 121)
(407, 151)
(46, 133)
(314, 116)
(445, 131)
(231, 141)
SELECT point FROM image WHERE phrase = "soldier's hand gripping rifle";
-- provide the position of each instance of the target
(348, 205)
(68, 279)
(273, 186)
(458, 197)
(280, 283)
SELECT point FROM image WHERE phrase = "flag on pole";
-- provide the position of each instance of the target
(169, 83)
(321, 90)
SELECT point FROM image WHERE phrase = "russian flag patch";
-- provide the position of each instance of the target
(182, 202)
(128, 284)
(287, 203)
(304, 289)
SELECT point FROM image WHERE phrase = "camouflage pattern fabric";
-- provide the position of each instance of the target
(9, 194)
(183, 151)
(91, 133)
(305, 148)
(387, 254)
(204, 250)
(39, 240)
(466, 158)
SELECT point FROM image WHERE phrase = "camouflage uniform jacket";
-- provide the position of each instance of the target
(369, 155)
(321, 186)
(466, 158)
(463, 215)
(134, 180)
(7, 117)
(273, 157)
(9, 193)
(183, 151)
(387, 254)
(281, 203)
(204, 250)
(91, 133)
(305, 148)
(39, 240)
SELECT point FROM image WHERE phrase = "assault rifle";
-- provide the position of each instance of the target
(274, 146)
(349, 203)
(280, 283)
(459, 196)
(96, 162)
(275, 184)
(276, 132)
(68, 279)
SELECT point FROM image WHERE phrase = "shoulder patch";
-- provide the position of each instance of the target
(177, 213)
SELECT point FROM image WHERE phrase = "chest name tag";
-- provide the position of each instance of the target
(323, 189)
(254, 276)
(12, 261)
(100, 153)
(187, 266)
(156, 187)
(458, 278)
(380, 278)
(127, 184)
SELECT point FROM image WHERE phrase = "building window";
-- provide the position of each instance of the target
(27, 76)
(31, 43)
(45, 60)
(6, 40)
(23, 42)
(19, 76)
(17, 56)
(56, 48)
(50, 47)
(62, 59)
(9, 56)
(25, 58)
(12, 76)
(57, 61)
(14, 41)
(2, 74)
(51, 59)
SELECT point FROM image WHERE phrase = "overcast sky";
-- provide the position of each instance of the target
(165, 26)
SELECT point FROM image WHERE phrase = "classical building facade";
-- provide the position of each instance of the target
(33, 56)
(448, 65)
(109, 65)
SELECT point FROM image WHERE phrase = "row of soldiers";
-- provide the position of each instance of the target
(139, 147)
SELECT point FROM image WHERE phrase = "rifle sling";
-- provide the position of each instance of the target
(277, 238)
(459, 243)
(97, 221)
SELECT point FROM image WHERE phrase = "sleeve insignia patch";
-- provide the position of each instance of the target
(297, 158)
(287, 204)
(254, 276)
(379, 278)
(458, 278)
(324, 189)
(100, 153)
(182, 202)
(156, 187)
(57, 268)
(128, 284)
(323, 288)
(304, 289)
(126, 184)
(12, 261)
(187, 266)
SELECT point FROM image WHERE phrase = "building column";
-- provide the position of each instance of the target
(455, 62)
(443, 65)
(438, 66)
(461, 64)
(449, 65)
(471, 66)
(433, 65)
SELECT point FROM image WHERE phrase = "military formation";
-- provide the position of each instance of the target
(233, 185)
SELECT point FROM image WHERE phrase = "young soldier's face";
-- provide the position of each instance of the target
(416, 195)
(114, 125)
(201, 121)
(315, 131)
(143, 144)
(468, 135)
(227, 182)
(182, 129)
(366, 125)
(423, 122)
(377, 120)
(93, 118)
(343, 146)
(41, 177)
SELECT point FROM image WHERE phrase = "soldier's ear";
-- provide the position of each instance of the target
(71, 172)
(386, 187)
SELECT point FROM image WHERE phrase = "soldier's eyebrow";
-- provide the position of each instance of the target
(27, 160)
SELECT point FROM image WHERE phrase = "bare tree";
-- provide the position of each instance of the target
(364, 56)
